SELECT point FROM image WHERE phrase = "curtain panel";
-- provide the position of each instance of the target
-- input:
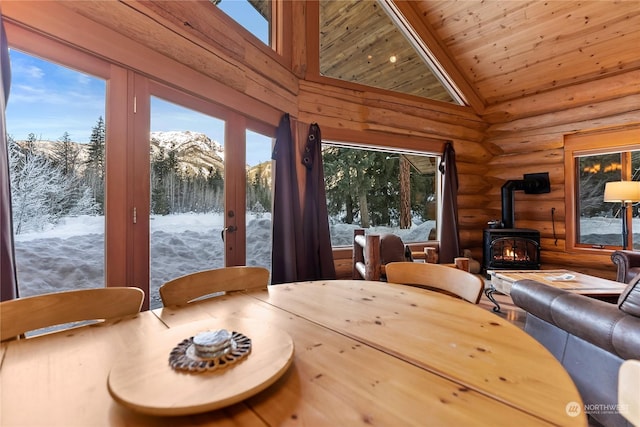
(301, 248)
(8, 284)
(449, 233)
(286, 221)
(319, 254)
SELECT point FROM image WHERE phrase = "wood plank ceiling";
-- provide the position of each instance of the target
(503, 49)
(359, 43)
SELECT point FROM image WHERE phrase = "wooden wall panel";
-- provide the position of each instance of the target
(528, 136)
(614, 87)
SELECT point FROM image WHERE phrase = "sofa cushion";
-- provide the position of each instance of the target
(629, 300)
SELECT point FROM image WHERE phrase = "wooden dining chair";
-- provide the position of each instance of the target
(438, 277)
(629, 390)
(21, 315)
(194, 286)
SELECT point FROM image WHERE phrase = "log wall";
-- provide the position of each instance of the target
(528, 135)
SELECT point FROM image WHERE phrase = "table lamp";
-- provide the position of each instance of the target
(622, 192)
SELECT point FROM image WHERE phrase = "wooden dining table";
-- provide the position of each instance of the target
(365, 353)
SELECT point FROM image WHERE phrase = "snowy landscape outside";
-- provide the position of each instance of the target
(69, 255)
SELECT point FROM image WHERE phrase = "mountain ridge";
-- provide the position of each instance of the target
(195, 153)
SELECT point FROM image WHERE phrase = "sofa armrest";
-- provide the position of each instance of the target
(625, 261)
(592, 320)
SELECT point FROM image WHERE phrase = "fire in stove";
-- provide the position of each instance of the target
(506, 247)
(512, 254)
(512, 248)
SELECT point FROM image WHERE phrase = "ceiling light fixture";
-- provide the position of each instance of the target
(393, 59)
(423, 51)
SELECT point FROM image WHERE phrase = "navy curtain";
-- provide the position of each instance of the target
(8, 284)
(449, 237)
(319, 255)
(287, 238)
(301, 248)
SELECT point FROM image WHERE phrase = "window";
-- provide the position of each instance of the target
(382, 191)
(595, 160)
(55, 123)
(253, 15)
(258, 199)
(119, 234)
(371, 43)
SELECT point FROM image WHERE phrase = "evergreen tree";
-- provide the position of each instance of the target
(95, 171)
(215, 190)
(65, 155)
(258, 189)
(96, 147)
(159, 201)
(167, 183)
(367, 184)
(360, 183)
(405, 193)
(339, 182)
(29, 148)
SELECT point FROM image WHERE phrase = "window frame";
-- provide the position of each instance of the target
(127, 138)
(399, 151)
(591, 143)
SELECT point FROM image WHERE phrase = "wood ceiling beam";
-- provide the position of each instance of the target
(422, 28)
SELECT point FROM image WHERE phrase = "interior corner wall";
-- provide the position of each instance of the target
(532, 140)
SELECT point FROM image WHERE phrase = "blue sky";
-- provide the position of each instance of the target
(48, 100)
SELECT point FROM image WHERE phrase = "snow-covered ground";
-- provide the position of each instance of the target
(71, 254)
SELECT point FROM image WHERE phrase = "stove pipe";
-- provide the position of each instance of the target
(508, 214)
(533, 183)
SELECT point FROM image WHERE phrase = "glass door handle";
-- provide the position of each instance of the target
(230, 229)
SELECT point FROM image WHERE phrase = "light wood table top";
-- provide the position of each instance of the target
(583, 284)
(144, 381)
(365, 353)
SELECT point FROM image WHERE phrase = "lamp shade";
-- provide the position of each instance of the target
(622, 191)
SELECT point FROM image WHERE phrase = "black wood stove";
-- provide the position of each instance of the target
(506, 247)
(511, 249)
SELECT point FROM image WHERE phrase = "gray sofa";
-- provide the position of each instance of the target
(591, 339)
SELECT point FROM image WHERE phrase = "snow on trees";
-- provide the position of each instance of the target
(41, 193)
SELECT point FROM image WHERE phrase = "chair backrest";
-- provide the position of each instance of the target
(372, 252)
(22, 315)
(629, 390)
(438, 277)
(196, 285)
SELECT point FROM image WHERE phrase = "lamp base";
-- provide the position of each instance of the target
(625, 228)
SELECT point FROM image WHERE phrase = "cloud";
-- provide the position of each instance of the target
(84, 80)
(34, 72)
(21, 69)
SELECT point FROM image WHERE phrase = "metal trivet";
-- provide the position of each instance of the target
(183, 357)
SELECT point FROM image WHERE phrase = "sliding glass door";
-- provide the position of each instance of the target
(187, 193)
